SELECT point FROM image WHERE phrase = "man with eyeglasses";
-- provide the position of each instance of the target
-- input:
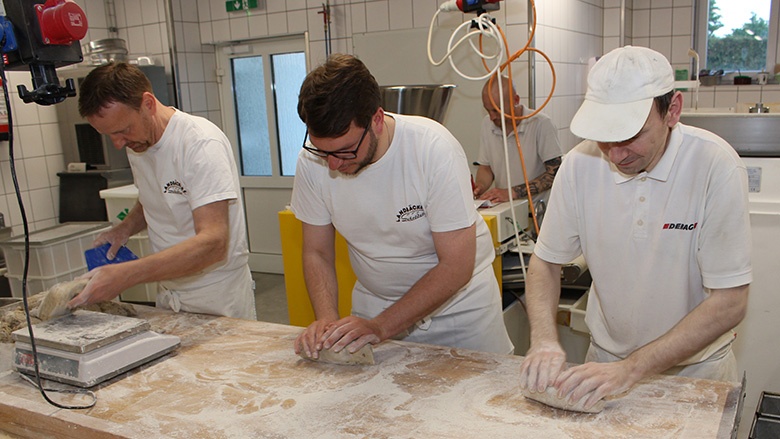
(398, 189)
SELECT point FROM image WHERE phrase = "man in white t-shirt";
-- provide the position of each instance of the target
(660, 212)
(538, 142)
(188, 201)
(398, 189)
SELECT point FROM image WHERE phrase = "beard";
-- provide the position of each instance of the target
(370, 153)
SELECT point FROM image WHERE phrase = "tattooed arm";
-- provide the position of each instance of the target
(540, 183)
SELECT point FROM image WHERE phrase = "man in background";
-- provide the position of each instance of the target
(188, 201)
(538, 140)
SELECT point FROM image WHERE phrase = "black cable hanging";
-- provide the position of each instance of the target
(25, 225)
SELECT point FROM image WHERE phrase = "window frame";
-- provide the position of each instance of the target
(700, 35)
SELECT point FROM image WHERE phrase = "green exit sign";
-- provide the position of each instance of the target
(240, 5)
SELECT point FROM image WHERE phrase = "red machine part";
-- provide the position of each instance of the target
(62, 22)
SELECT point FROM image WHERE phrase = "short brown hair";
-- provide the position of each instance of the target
(112, 83)
(336, 93)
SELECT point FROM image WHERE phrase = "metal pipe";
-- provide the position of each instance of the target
(531, 60)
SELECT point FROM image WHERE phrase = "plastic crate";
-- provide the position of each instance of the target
(140, 245)
(54, 252)
(36, 285)
(119, 201)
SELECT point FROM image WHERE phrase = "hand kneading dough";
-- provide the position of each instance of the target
(550, 397)
(364, 355)
(54, 304)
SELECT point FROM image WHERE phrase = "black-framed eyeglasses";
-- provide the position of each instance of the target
(342, 155)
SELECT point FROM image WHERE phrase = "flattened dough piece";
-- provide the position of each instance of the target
(550, 397)
(364, 355)
(54, 304)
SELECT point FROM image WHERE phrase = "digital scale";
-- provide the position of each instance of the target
(86, 348)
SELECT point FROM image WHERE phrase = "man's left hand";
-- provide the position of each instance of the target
(595, 381)
(352, 331)
(496, 195)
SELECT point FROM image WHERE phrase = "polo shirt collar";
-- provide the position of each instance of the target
(663, 168)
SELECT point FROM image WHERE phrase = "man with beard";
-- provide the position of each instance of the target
(188, 200)
(398, 189)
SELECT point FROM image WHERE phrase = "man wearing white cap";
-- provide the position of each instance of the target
(659, 210)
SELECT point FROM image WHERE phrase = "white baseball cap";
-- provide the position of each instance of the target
(621, 88)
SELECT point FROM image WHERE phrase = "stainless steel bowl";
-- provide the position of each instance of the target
(106, 50)
(421, 100)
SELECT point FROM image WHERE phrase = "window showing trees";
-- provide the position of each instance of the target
(739, 45)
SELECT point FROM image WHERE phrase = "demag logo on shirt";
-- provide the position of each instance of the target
(410, 213)
(680, 226)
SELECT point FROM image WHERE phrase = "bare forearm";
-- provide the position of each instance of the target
(436, 287)
(541, 183)
(542, 294)
(320, 276)
(719, 313)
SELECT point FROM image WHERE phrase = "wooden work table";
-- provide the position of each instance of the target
(236, 378)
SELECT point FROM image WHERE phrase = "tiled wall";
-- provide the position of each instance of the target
(569, 32)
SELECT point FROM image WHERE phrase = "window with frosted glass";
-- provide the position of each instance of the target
(251, 116)
(289, 70)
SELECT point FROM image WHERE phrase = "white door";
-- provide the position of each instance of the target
(260, 81)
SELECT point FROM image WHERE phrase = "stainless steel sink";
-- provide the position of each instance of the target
(751, 135)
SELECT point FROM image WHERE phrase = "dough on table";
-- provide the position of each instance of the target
(54, 303)
(550, 397)
(364, 355)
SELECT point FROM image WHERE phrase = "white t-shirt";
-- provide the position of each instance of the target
(190, 166)
(387, 212)
(538, 139)
(654, 242)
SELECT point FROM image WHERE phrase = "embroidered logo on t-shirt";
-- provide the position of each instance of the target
(680, 226)
(174, 187)
(410, 213)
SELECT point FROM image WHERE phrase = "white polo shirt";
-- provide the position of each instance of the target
(654, 242)
(538, 140)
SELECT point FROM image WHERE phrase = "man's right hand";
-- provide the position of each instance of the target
(541, 366)
(307, 340)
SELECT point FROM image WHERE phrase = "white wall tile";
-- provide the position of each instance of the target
(152, 38)
(37, 174)
(358, 18)
(725, 98)
(220, 30)
(21, 174)
(682, 21)
(612, 22)
(377, 16)
(198, 101)
(275, 6)
(239, 28)
(258, 26)
(277, 23)
(189, 11)
(641, 23)
(205, 33)
(150, 12)
(680, 47)
(51, 139)
(41, 204)
(136, 43)
(29, 141)
(195, 67)
(96, 13)
(293, 5)
(660, 22)
(400, 14)
(204, 10)
(297, 23)
(133, 14)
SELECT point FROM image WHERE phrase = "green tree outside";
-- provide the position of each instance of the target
(743, 49)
